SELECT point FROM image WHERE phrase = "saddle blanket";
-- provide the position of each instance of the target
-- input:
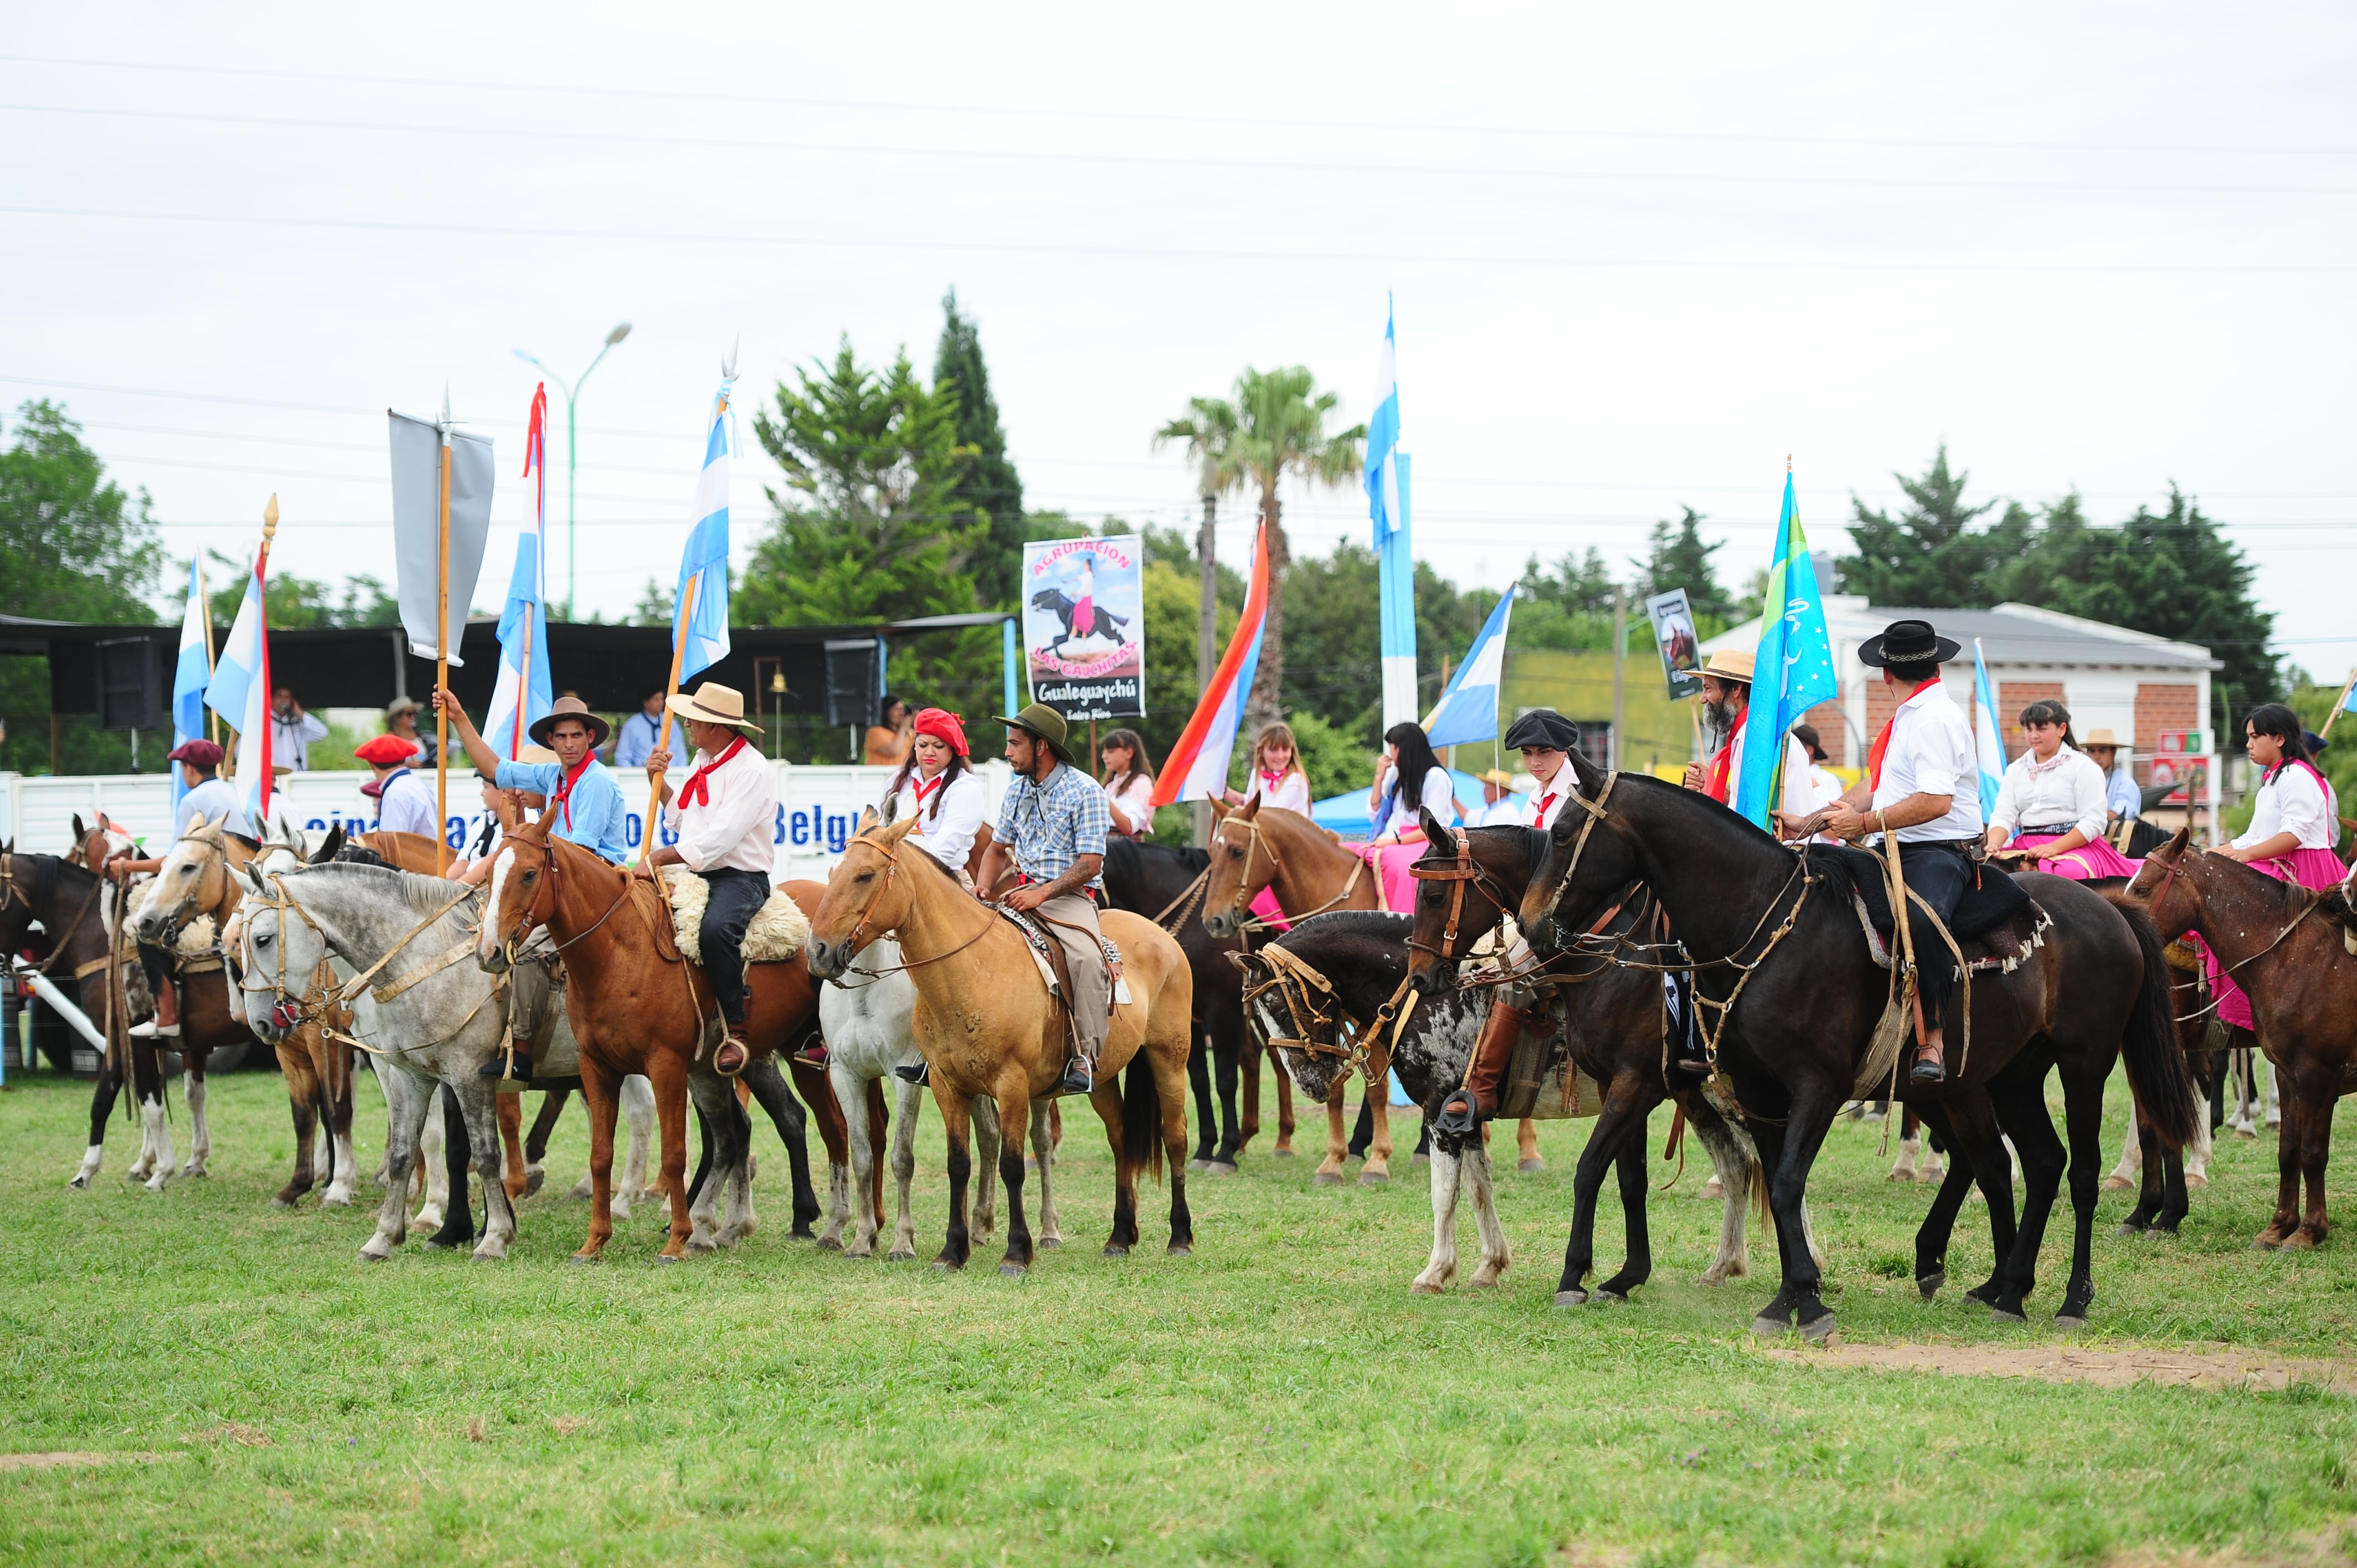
(1996, 923)
(776, 935)
(1037, 941)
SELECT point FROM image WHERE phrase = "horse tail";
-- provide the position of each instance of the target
(1141, 1116)
(2155, 1061)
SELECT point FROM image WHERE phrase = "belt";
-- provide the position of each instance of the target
(2058, 830)
(1025, 879)
(1962, 846)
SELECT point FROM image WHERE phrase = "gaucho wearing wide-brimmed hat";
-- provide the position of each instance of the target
(1051, 830)
(1727, 705)
(723, 820)
(1922, 788)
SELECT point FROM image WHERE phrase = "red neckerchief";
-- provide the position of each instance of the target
(1874, 753)
(927, 786)
(1725, 760)
(1539, 819)
(697, 793)
(564, 789)
(1269, 783)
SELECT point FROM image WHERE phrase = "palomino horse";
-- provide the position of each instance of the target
(2288, 949)
(988, 1025)
(1791, 997)
(637, 1004)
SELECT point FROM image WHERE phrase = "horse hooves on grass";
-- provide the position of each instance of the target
(1575, 1298)
(1013, 1271)
(2130, 1228)
(2068, 1323)
(1115, 1250)
(2006, 1314)
(1048, 1243)
(1179, 1250)
(899, 1256)
(533, 1180)
(1198, 1164)
(1610, 1299)
(830, 1243)
(2195, 1182)
(666, 1258)
(1765, 1326)
(1420, 1288)
(1928, 1285)
(1220, 1168)
(1327, 1178)
(1820, 1332)
(1531, 1166)
(1373, 1178)
(1281, 1153)
(282, 1202)
(586, 1257)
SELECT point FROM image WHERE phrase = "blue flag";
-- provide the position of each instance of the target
(190, 678)
(1467, 709)
(702, 632)
(1793, 671)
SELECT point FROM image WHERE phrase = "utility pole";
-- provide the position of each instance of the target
(572, 390)
(1209, 614)
(1616, 751)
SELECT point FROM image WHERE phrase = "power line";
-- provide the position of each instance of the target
(1198, 254)
(1060, 111)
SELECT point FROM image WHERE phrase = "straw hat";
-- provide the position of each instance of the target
(574, 708)
(2095, 738)
(534, 756)
(713, 703)
(1729, 666)
(1498, 775)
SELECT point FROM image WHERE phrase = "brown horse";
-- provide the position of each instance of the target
(987, 1026)
(637, 1004)
(2284, 946)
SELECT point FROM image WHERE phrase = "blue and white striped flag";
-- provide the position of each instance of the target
(1467, 711)
(1986, 741)
(1387, 509)
(702, 633)
(240, 692)
(190, 678)
(522, 694)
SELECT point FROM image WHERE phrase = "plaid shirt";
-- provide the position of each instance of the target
(1047, 827)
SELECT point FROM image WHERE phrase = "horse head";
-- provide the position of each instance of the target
(2166, 886)
(522, 887)
(273, 954)
(867, 895)
(1588, 861)
(1240, 866)
(1462, 892)
(193, 880)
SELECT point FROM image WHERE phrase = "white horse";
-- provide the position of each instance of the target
(866, 1018)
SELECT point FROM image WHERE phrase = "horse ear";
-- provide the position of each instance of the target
(1435, 832)
(252, 875)
(900, 830)
(80, 832)
(867, 820)
(2177, 845)
(1250, 962)
(1250, 809)
(1591, 777)
(252, 845)
(330, 846)
(1220, 810)
(509, 813)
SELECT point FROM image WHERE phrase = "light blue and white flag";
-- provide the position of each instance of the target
(240, 692)
(1387, 509)
(1793, 669)
(1987, 742)
(1467, 711)
(523, 695)
(703, 631)
(190, 678)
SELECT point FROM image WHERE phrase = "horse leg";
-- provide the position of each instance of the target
(1050, 1234)
(2083, 1122)
(637, 1097)
(2315, 1115)
(1628, 1103)
(102, 1107)
(2129, 1176)
(480, 1132)
(147, 1079)
(536, 1142)
(732, 1133)
(335, 1103)
(957, 1128)
(1198, 1076)
(768, 1085)
(1788, 1152)
(1440, 1268)
(835, 1132)
(1527, 1158)
(2288, 1176)
(302, 1104)
(1362, 1131)
(1285, 1120)
(1938, 1229)
(507, 1115)
(1330, 1170)
(1170, 1098)
(850, 1089)
(599, 1085)
(458, 1159)
(1232, 1136)
(904, 1172)
(667, 1072)
(407, 1100)
(2021, 1108)
(1106, 1099)
(201, 1131)
(1378, 1168)
(989, 1142)
(1014, 1106)
(1911, 1147)
(1968, 1124)
(1737, 1166)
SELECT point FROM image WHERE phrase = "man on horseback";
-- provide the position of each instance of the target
(722, 819)
(1922, 788)
(210, 798)
(1726, 704)
(1546, 740)
(1052, 826)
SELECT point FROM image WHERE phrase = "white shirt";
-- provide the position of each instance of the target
(1292, 792)
(1552, 796)
(406, 806)
(206, 801)
(1505, 812)
(2068, 791)
(2290, 801)
(1439, 797)
(1135, 800)
(291, 738)
(947, 834)
(733, 829)
(1931, 752)
(1800, 793)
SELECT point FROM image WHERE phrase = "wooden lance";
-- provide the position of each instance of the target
(662, 736)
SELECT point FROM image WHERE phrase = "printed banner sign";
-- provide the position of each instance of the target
(1674, 634)
(1084, 625)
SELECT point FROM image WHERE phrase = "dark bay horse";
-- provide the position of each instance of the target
(2287, 949)
(1780, 959)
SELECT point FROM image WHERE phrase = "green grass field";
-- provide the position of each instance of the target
(1276, 1398)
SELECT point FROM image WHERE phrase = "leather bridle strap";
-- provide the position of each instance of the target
(1595, 814)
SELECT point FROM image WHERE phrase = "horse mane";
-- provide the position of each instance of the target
(1129, 852)
(1380, 923)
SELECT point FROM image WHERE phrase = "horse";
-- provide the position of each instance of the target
(1798, 992)
(1056, 602)
(868, 1018)
(987, 1026)
(63, 898)
(2289, 948)
(1162, 884)
(638, 1004)
(1616, 1023)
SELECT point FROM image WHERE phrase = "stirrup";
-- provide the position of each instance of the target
(1460, 1115)
(741, 1045)
(918, 1075)
(1928, 1069)
(813, 1054)
(1079, 1077)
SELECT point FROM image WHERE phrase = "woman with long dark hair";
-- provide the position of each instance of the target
(1411, 781)
(2051, 802)
(1128, 782)
(2295, 822)
(938, 784)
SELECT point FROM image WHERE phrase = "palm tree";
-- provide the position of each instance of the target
(1274, 426)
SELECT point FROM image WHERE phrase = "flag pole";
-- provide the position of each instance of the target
(204, 598)
(2347, 686)
(662, 736)
(442, 672)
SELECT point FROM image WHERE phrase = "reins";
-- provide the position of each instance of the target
(867, 912)
(1240, 906)
(1298, 984)
(2169, 875)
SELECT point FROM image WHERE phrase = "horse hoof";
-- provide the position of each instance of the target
(1115, 1250)
(2130, 1228)
(281, 1203)
(2194, 1183)
(899, 1256)
(2117, 1183)
(533, 1181)
(1179, 1250)
(665, 1258)
(1571, 1298)
(436, 1243)
(802, 1233)
(2006, 1314)
(1420, 1288)
(1373, 1178)
(1767, 1326)
(1928, 1285)
(586, 1257)
(1048, 1243)
(1610, 1299)
(1424, 1156)
(1531, 1166)
(2069, 1323)
(2264, 1245)
(79, 1184)
(943, 1265)
(830, 1243)
(1013, 1271)
(1820, 1332)
(1220, 1168)
(1282, 1153)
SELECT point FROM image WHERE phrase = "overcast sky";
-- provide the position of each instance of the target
(1640, 255)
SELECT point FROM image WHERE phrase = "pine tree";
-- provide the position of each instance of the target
(985, 480)
(1930, 557)
(1679, 559)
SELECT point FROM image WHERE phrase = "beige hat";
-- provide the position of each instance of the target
(570, 707)
(1727, 666)
(1498, 775)
(2099, 737)
(714, 704)
(534, 756)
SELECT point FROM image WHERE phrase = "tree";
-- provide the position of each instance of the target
(1568, 605)
(1930, 557)
(1677, 558)
(293, 603)
(1276, 429)
(984, 480)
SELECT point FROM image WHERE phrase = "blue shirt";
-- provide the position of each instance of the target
(599, 816)
(206, 802)
(1047, 827)
(636, 739)
(2121, 794)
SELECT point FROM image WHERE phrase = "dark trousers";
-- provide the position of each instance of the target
(1938, 874)
(736, 898)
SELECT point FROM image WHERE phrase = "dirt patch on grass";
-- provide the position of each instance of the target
(2223, 1368)
(68, 1461)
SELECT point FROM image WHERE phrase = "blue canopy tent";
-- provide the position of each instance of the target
(1347, 814)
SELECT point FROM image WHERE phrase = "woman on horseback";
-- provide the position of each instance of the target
(2052, 804)
(1411, 782)
(1277, 776)
(2295, 822)
(938, 785)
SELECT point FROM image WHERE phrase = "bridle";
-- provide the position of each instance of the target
(2169, 875)
(1595, 814)
(1460, 873)
(854, 943)
(288, 1014)
(1301, 987)
(12, 886)
(1240, 907)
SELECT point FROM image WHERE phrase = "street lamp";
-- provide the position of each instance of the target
(572, 390)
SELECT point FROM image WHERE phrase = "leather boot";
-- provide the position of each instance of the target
(166, 1021)
(734, 1053)
(1930, 1061)
(1477, 1101)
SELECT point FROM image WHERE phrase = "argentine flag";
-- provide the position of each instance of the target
(1196, 767)
(1986, 743)
(240, 692)
(1387, 509)
(523, 695)
(1467, 711)
(1792, 672)
(190, 678)
(1382, 437)
(702, 633)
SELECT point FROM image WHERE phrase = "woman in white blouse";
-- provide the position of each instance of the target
(1277, 776)
(1128, 782)
(2295, 824)
(1396, 809)
(938, 784)
(2051, 804)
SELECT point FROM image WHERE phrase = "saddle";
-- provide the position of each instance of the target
(776, 935)
(1055, 963)
(1997, 924)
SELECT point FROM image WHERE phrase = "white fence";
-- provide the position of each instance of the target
(818, 808)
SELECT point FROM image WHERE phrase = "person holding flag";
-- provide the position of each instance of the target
(190, 675)
(1727, 708)
(1793, 667)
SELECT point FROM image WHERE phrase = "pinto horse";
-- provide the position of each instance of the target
(2284, 945)
(636, 1005)
(987, 1026)
(1781, 966)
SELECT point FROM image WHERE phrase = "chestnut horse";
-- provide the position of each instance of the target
(2282, 945)
(637, 1004)
(987, 1026)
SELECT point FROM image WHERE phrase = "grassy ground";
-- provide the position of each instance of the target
(1277, 1397)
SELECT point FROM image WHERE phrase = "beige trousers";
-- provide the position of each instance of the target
(1084, 953)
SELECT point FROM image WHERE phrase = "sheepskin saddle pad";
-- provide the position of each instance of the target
(776, 933)
(197, 939)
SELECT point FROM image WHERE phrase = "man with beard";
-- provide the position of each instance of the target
(1726, 704)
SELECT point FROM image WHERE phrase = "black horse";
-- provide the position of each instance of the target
(1059, 603)
(1778, 927)
(1148, 879)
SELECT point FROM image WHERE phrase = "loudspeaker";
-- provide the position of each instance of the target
(130, 685)
(855, 681)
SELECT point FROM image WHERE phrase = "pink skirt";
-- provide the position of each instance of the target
(2084, 864)
(2316, 868)
(1084, 616)
(1390, 863)
(1266, 908)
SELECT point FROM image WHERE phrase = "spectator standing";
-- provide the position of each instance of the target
(1128, 782)
(403, 803)
(889, 738)
(636, 740)
(401, 721)
(292, 730)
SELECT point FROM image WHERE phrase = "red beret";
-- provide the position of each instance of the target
(386, 751)
(944, 727)
(203, 753)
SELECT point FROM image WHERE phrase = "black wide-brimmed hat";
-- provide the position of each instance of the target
(1907, 642)
(1545, 729)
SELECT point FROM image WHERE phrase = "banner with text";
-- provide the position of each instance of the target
(1084, 625)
